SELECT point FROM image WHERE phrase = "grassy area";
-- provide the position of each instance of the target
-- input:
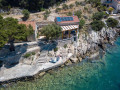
(56, 49)
(29, 54)
(65, 46)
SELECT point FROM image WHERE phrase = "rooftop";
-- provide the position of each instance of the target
(67, 19)
(27, 23)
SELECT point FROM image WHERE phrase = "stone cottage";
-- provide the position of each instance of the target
(32, 37)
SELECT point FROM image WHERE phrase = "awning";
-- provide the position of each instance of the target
(69, 27)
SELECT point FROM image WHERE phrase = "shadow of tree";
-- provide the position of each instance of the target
(47, 46)
(11, 59)
(24, 19)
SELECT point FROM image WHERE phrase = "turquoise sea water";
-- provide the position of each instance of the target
(102, 74)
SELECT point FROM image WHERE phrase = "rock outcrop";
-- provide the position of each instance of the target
(91, 42)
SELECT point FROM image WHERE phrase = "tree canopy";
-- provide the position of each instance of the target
(81, 23)
(10, 30)
(31, 5)
(97, 25)
(78, 13)
(98, 16)
(65, 6)
(112, 22)
(51, 32)
(26, 14)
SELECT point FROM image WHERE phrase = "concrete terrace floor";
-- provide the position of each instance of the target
(22, 70)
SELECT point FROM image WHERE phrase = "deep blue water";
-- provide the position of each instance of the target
(103, 74)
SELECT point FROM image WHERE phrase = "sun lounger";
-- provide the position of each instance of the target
(54, 61)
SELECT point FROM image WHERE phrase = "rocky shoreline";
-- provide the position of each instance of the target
(89, 46)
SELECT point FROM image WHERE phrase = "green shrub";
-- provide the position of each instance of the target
(112, 22)
(56, 49)
(98, 16)
(78, 13)
(77, 3)
(65, 6)
(65, 46)
(106, 15)
(27, 55)
(97, 25)
(42, 9)
(94, 3)
(57, 10)
(46, 14)
(101, 8)
(110, 9)
(33, 53)
(26, 13)
(45, 17)
(81, 23)
(51, 31)
(71, 6)
(85, 8)
(69, 14)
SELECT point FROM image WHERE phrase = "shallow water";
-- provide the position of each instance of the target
(102, 74)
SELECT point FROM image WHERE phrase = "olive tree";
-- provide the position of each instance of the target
(10, 31)
(26, 14)
(98, 16)
(51, 32)
(97, 25)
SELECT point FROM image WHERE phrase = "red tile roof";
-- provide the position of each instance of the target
(75, 19)
(27, 23)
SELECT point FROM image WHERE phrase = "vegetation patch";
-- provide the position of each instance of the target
(57, 10)
(29, 54)
(98, 16)
(65, 6)
(69, 13)
(97, 25)
(26, 14)
(81, 23)
(56, 49)
(111, 22)
(65, 46)
(78, 13)
(11, 30)
(46, 14)
(51, 32)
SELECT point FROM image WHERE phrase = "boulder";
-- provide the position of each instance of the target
(42, 73)
(68, 63)
(80, 59)
(73, 60)
(62, 65)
